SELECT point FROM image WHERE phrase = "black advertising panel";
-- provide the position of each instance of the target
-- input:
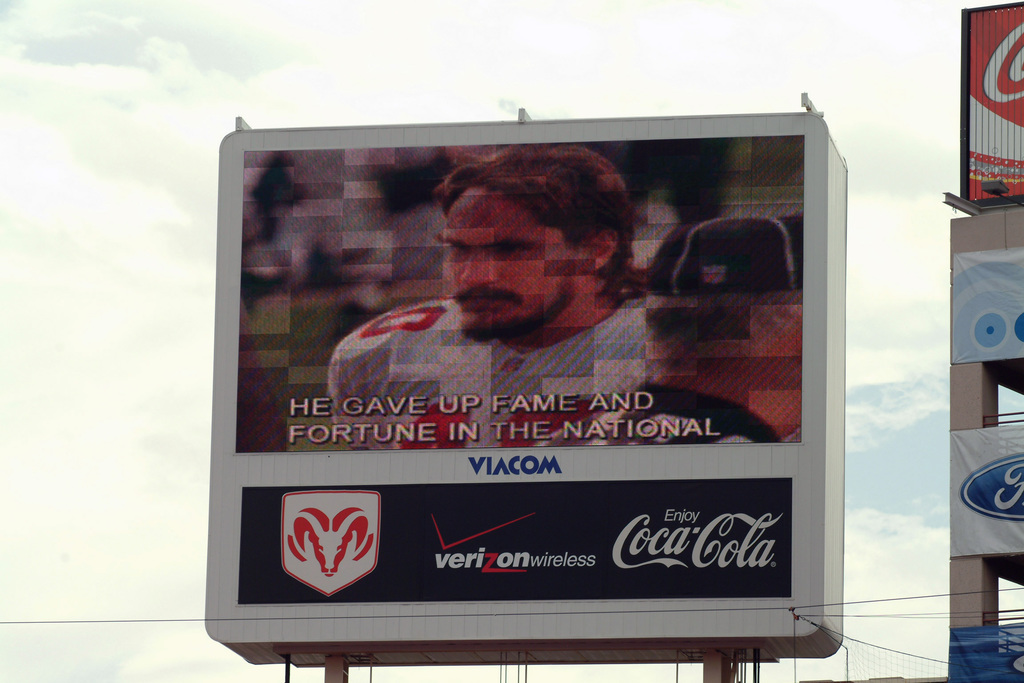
(538, 541)
(531, 295)
(992, 109)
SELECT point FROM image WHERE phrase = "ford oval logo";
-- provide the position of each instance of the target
(997, 489)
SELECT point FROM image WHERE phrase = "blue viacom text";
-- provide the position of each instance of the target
(515, 465)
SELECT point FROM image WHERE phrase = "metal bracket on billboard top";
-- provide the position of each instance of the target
(961, 204)
(240, 124)
(806, 103)
(523, 116)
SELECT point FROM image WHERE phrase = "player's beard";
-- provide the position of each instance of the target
(514, 329)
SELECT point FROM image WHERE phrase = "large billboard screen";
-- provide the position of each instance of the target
(566, 387)
(522, 295)
(992, 109)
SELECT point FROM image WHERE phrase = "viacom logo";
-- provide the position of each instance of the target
(729, 539)
(515, 465)
(997, 489)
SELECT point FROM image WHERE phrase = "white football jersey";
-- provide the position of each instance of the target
(421, 351)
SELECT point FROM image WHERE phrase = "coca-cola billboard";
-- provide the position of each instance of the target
(992, 115)
(562, 386)
(726, 538)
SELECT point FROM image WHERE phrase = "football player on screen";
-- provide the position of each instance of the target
(542, 302)
(725, 319)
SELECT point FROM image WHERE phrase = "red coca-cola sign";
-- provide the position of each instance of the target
(996, 99)
(997, 62)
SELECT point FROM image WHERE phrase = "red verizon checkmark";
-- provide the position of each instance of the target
(445, 546)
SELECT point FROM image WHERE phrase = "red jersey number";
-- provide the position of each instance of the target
(409, 320)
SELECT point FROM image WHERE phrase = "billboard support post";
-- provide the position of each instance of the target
(336, 669)
(718, 668)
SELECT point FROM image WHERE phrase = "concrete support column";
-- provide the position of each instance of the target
(973, 393)
(974, 586)
(335, 669)
(718, 668)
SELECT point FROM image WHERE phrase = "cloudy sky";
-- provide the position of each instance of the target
(111, 114)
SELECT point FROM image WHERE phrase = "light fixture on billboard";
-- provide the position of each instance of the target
(998, 188)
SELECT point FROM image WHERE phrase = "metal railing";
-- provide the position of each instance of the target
(1000, 419)
(1001, 616)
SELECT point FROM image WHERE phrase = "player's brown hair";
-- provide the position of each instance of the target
(567, 187)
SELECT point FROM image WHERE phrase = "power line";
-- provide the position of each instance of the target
(836, 634)
(909, 597)
(940, 662)
(802, 609)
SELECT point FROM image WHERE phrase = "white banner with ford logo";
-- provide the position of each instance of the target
(986, 507)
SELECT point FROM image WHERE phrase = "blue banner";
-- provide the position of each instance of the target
(987, 654)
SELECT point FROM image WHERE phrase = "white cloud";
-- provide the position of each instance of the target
(110, 119)
(889, 408)
(897, 290)
(897, 317)
(892, 556)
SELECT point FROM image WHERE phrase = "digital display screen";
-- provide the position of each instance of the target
(533, 295)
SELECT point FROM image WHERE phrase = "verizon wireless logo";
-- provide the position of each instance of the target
(504, 561)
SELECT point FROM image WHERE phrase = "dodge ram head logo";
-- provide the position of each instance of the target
(329, 538)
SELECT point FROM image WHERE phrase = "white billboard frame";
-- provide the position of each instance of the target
(551, 630)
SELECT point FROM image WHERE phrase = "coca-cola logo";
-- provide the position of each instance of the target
(997, 67)
(1003, 80)
(997, 489)
(728, 540)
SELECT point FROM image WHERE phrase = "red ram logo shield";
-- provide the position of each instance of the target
(329, 539)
